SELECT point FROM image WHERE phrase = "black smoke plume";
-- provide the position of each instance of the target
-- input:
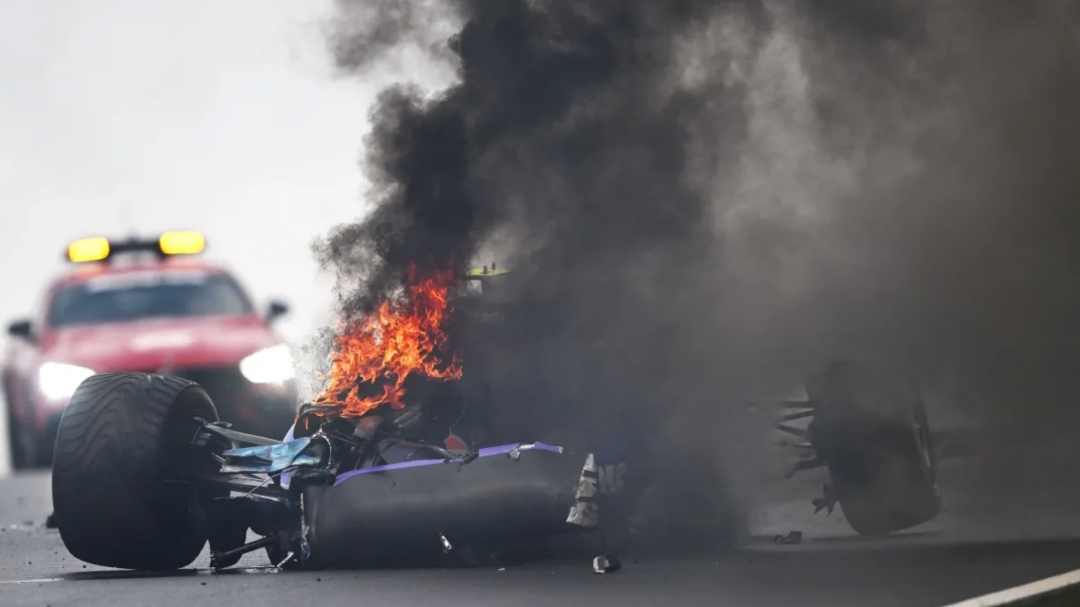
(707, 198)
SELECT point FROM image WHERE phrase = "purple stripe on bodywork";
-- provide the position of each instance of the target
(485, 452)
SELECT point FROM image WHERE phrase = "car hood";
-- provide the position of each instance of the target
(160, 345)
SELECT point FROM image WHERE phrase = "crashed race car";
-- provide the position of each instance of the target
(145, 474)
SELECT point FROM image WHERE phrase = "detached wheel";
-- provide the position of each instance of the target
(122, 495)
(874, 436)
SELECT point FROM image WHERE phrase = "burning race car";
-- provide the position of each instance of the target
(390, 465)
(148, 306)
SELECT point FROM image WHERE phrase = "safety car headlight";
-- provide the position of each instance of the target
(59, 380)
(269, 365)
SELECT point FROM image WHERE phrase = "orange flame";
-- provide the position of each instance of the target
(386, 347)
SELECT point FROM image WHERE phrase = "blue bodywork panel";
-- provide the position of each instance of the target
(268, 459)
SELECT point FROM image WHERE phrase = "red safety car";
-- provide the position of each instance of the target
(145, 305)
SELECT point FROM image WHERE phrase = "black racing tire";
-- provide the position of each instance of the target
(874, 436)
(121, 486)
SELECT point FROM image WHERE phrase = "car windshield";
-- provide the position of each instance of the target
(136, 296)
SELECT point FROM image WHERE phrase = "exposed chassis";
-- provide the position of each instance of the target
(310, 516)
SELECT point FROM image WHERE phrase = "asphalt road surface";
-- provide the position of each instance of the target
(998, 529)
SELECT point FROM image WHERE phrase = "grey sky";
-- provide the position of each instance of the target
(127, 115)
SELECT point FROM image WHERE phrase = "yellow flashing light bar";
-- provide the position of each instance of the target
(89, 249)
(170, 243)
(182, 243)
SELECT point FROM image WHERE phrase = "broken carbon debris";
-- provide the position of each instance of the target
(586, 510)
(606, 564)
(827, 501)
(794, 537)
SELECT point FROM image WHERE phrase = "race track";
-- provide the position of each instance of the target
(976, 546)
(5, 447)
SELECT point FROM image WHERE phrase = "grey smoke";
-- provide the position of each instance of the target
(708, 198)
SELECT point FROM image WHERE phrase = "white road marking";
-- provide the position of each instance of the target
(37, 581)
(112, 574)
(1021, 593)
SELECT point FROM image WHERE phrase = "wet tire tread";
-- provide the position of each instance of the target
(107, 470)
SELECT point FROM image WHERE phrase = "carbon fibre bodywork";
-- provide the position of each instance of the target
(410, 508)
(418, 510)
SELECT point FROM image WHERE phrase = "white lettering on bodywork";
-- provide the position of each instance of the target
(612, 477)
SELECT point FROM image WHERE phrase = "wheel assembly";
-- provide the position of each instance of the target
(122, 490)
(873, 435)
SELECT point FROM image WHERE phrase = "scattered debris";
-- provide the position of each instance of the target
(827, 501)
(446, 545)
(606, 564)
(795, 537)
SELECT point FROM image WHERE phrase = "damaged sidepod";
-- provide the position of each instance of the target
(400, 512)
